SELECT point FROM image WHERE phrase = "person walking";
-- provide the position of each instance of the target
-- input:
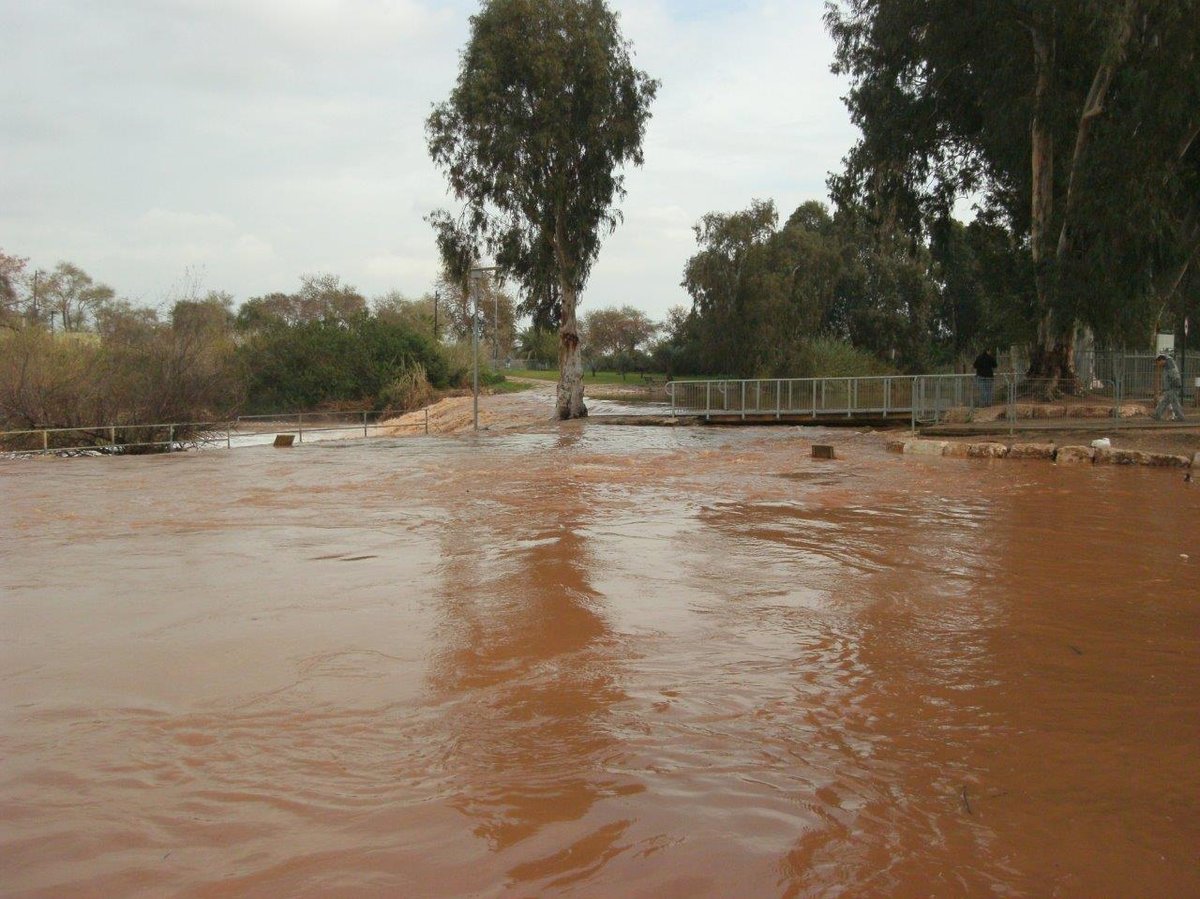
(985, 380)
(1172, 385)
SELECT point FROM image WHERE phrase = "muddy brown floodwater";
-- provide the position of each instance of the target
(598, 661)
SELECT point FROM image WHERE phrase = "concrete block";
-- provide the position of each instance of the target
(1049, 411)
(284, 440)
(925, 447)
(1074, 455)
(895, 445)
(823, 451)
(1164, 460)
(1031, 451)
(987, 450)
(956, 450)
(1109, 456)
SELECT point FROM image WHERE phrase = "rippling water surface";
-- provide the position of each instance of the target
(598, 661)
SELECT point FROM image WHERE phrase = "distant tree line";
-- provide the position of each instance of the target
(74, 354)
(828, 293)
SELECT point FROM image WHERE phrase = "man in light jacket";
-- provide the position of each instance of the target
(1172, 385)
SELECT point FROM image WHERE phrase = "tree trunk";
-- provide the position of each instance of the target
(570, 354)
(1052, 357)
(570, 360)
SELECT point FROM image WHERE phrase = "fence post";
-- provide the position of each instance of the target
(301, 417)
(1012, 405)
(228, 436)
(170, 438)
(743, 400)
(791, 405)
(112, 435)
(814, 403)
(671, 386)
(45, 440)
(364, 422)
(707, 400)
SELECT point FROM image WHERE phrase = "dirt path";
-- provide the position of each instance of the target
(498, 412)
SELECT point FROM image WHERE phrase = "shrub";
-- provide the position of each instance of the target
(827, 357)
(149, 374)
(410, 390)
(302, 365)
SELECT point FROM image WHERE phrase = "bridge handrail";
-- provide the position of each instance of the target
(885, 395)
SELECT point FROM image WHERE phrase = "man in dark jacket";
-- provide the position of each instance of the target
(985, 380)
(1172, 385)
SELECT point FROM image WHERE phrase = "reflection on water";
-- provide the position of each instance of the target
(526, 668)
(600, 660)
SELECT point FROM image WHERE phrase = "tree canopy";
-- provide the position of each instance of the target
(547, 110)
(1072, 122)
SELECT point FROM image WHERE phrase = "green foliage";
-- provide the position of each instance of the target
(761, 294)
(409, 390)
(320, 297)
(67, 298)
(1073, 124)
(828, 357)
(142, 371)
(547, 109)
(614, 338)
(764, 296)
(538, 346)
(310, 363)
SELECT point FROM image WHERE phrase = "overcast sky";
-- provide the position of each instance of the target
(250, 141)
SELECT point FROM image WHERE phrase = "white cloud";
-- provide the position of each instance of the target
(267, 139)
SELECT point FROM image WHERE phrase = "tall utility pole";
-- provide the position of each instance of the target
(477, 272)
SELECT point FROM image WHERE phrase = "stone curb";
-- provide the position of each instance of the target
(1063, 455)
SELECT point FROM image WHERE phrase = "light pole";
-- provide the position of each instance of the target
(477, 273)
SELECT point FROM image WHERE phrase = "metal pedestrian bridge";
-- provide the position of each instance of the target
(919, 398)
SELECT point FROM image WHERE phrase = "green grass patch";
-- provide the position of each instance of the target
(508, 386)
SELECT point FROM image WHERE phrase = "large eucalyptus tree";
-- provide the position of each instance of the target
(1075, 121)
(547, 110)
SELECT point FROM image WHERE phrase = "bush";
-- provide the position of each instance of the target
(826, 357)
(460, 366)
(410, 390)
(307, 364)
(149, 374)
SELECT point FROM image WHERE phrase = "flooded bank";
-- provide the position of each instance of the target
(600, 660)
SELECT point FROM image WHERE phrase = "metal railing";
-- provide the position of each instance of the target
(917, 397)
(923, 399)
(173, 436)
